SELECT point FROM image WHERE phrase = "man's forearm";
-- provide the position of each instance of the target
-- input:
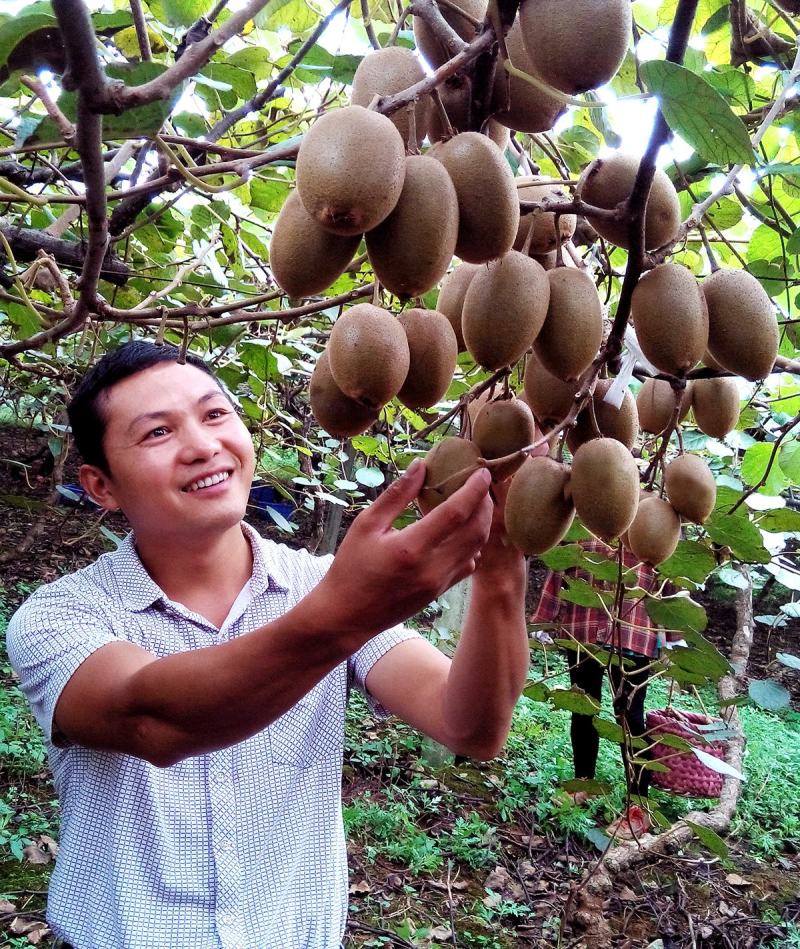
(490, 665)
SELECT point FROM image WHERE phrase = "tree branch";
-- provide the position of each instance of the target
(27, 242)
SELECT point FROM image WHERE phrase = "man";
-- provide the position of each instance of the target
(192, 684)
(638, 643)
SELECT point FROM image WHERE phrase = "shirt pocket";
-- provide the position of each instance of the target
(311, 730)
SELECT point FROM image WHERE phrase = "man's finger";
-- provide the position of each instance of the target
(462, 503)
(396, 498)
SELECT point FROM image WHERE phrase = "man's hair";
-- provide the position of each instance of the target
(86, 418)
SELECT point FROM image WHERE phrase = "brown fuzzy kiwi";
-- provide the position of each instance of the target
(547, 261)
(656, 405)
(715, 403)
(607, 182)
(543, 239)
(743, 333)
(334, 411)
(432, 48)
(501, 428)
(605, 487)
(670, 318)
(488, 206)
(549, 397)
(304, 257)
(621, 424)
(433, 350)
(451, 298)
(449, 464)
(411, 250)
(456, 95)
(369, 356)
(504, 309)
(538, 512)
(655, 531)
(516, 103)
(576, 46)
(573, 328)
(384, 72)
(345, 187)
(690, 487)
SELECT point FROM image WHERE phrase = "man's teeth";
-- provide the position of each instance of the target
(207, 482)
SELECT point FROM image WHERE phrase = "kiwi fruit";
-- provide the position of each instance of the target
(369, 355)
(434, 51)
(607, 182)
(411, 249)
(655, 531)
(620, 423)
(546, 261)
(543, 239)
(576, 46)
(504, 309)
(384, 72)
(743, 332)
(339, 415)
(502, 427)
(715, 403)
(448, 466)
(433, 352)
(605, 487)
(451, 298)
(549, 397)
(656, 405)
(345, 187)
(670, 318)
(488, 206)
(456, 96)
(538, 511)
(304, 257)
(573, 328)
(516, 103)
(690, 487)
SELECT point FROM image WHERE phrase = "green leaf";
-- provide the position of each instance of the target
(281, 521)
(584, 594)
(691, 560)
(268, 195)
(13, 31)
(787, 659)
(574, 700)
(371, 477)
(790, 462)
(756, 460)
(678, 612)
(589, 785)
(739, 534)
(178, 12)
(717, 764)
(769, 694)
(538, 692)
(697, 112)
(562, 557)
(598, 837)
(784, 519)
(613, 732)
(725, 213)
(732, 578)
(709, 837)
(296, 15)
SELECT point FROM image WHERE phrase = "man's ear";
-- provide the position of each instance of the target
(98, 486)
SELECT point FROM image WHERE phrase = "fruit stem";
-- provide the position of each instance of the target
(449, 131)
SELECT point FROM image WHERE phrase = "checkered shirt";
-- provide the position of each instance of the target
(241, 848)
(590, 625)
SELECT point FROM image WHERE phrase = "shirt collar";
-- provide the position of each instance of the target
(139, 591)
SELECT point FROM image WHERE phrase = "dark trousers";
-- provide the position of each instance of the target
(587, 673)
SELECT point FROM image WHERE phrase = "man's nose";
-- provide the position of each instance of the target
(198, 442)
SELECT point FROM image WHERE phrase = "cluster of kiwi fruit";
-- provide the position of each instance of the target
(512, 294)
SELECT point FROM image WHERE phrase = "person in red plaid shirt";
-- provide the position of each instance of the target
(639, 643)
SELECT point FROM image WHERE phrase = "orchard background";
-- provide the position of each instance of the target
(145, 154)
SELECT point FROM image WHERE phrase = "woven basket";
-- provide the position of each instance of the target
(687, 775)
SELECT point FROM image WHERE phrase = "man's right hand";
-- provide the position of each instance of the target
(381, 576)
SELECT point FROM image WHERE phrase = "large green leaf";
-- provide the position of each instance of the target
(574, 700)
(678, 612)
(584, 594)
(698, 113)
(736, 532)
(781, 520)
(790, 462)
(769, 694)
(691, 560)
(710, 838)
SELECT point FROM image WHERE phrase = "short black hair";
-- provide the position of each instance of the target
(87, 421)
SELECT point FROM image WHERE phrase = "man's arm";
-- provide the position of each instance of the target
(124, 699)
(467, 703)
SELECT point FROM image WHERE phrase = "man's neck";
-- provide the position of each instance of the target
(190, 572)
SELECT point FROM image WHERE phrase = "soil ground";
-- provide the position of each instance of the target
(692, 900)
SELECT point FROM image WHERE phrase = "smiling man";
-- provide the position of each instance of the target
(192, 684)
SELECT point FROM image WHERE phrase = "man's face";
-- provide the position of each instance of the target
(180, 459)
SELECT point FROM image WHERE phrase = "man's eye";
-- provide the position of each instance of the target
(157, 432)
(217, 413)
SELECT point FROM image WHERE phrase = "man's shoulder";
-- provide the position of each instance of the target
(290, 566)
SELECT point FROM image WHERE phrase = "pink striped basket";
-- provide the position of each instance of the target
(687, 775)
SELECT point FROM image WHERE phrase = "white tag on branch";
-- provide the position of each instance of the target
(632, 355)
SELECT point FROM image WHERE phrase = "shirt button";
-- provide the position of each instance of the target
(220, 777)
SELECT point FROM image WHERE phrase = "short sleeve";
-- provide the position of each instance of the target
(48, 638)
(361, 662)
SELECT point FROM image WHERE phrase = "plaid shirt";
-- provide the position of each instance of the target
(589, 625)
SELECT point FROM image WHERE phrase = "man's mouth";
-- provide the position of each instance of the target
(207, 482)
